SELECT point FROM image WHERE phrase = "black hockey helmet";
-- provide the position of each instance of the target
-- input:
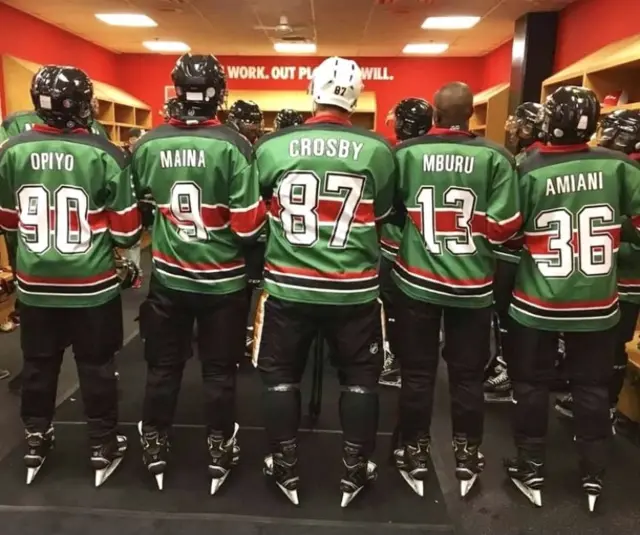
(525, 125)
(247, 118)
(62, 96)
(570, 115)
(413, 118)
(172, 108)
(287, 117)
(201, 85)
(620, 130)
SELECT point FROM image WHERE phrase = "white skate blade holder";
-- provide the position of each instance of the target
(467, 485)
(593, 498)
(160, 481)
(534, 495)
(216, 482)
(416, 485)
(103, 474)
(32, 473)
(292, 495)
(347, 497)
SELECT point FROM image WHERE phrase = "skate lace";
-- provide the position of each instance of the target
(497, 379)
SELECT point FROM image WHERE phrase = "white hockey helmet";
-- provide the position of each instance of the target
(337, 82)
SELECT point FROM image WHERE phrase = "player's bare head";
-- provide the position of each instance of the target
(454, 106)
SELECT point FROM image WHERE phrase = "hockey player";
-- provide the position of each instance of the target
(246, 117)
(69, 196)
(197, 172)
(330, 182)
(94, 125)
(461, 196)
(620, 131)
(18, 122)
(286, 118)
(573, 199)
(525, 133)
(413, 117)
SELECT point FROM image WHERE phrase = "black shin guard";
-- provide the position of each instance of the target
(359, 409)
(281, 406)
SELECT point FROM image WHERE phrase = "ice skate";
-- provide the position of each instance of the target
(592, 485)
(390, 375)
(527, 476)
(155, 450)
(497, 387)
(105, 458)
(38, 447)
(469, 463)
(411, 461)
(282, 467)
(224, 456)
(358, 472)
(564, 405)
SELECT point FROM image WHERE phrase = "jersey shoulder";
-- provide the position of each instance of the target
(20, 115)
(541, 159)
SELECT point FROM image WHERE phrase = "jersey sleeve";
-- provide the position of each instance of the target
(386, 180)
(3, 134)
(630, 192)
(8, 213)
(247, 211)
(121, 206)
(504, 218)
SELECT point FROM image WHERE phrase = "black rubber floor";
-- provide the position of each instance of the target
(64, 501)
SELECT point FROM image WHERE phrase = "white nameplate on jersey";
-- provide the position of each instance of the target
(45, 102)
(194, 97)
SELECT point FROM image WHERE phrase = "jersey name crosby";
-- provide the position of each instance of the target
(329, 148)
(182, 158)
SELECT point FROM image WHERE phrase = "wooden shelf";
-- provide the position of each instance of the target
(490, 110)
(118, 113)
(613, 68)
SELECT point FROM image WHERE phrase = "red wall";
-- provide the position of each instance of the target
(145, 76)
(587, 25)
(26, 37)
(497, 65)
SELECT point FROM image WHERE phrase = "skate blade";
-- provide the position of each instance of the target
(563, 412)
(292, 495)
(392, 384)
(32, 473)
(467, 485)
(103, 474)
(216, 483)
(534, 495)
(593, 498)
(347, 497)
(160, 481)
(416, 485)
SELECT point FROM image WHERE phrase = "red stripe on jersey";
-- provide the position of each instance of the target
(125, 222)
(636, 221)
(328, 210)
(497, 232)
(306, 272)
(196, 266)
(629, 282)
(94, 279)
(439, 278)
(212, 216)
(9, 219)
(540, 244)
(449, 221)
(248, 221)
(601, 303)
(390, 243)
(98, 220)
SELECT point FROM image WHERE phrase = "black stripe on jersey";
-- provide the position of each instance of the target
(330, 286)
(84, 289)
(442, 287)
(198, 276)
(586, 313)
(389, 249)
(629, 289)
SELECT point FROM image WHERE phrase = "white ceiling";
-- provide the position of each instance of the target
(344, 27)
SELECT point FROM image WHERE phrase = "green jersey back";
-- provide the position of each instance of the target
(200, 180)
(390, 238)
(99, 130)
(18, 122)
(69, 196)
(461, 196)
(572, 204)
(328, 184)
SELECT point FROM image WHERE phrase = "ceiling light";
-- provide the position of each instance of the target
(132, 20)
(449, 23)
(166, 46)
(425, 48)
(295, 48)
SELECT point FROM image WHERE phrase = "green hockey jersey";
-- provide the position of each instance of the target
(461, 196)
(69, 197)
(18, 122)
(573, 200)
(200, 180)
(390, 238)
(99, 130)
(329, 182)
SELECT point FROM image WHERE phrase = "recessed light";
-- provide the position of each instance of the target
(425, 48)
(132, 20)
(295, 48)
(166, 46)
(449, 23)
